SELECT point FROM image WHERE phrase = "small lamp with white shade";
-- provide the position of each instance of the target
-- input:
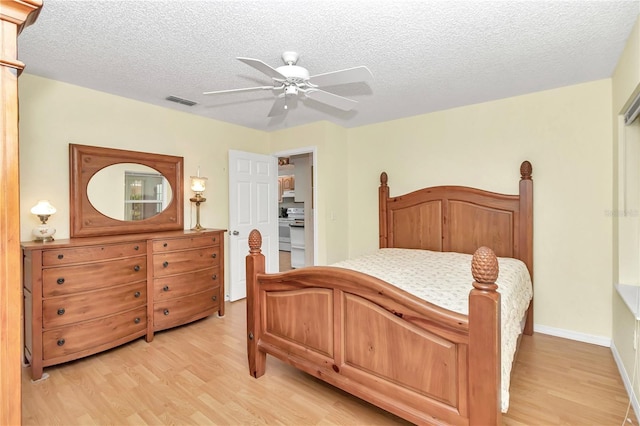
(43, 210)
(198, 184)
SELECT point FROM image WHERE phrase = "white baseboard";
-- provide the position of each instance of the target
(626, 380)
(573, 335)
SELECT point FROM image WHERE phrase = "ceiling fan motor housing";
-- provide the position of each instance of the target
(290, 58)
(294, 73)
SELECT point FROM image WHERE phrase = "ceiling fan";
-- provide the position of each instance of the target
(291, 80)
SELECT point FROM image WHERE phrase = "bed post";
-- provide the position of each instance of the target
(526, 230)
(255, 265)
(484, 341)
(383, 196)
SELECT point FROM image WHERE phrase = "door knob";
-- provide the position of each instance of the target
(236, 233)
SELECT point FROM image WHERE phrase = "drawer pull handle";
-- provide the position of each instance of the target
(214, 298)
(136, 248)
(165, 244)
(60, 281)
(136, 294)
(213, 239)
(165, 264)
(165, 288)
(137, 320)
(214, 277)
(61, 256)
(61, 311)
(136, 268)
(214, 255)
(166, 312)
(60, 342)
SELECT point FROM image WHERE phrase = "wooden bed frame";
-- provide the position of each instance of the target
(412, 358)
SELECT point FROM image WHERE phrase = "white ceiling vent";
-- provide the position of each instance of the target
(182, 101)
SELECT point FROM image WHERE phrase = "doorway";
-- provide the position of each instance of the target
(297, 223)
(252, 205)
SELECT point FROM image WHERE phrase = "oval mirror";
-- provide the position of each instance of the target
(129, 192)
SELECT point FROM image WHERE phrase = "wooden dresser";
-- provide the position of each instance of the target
(85, 295)
(187, 278)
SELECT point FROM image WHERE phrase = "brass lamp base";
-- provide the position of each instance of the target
(43, 232)
(198, 199)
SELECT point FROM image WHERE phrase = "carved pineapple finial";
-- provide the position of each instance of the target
(383, 178)
(484, 268)
(255, 241)
(525, 170)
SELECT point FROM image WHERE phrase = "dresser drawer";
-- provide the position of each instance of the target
(71, 279)
(92, 253)
(185, 261)
(60, 311)
(186, 284)
(173, 312)
(170, 244)
(92, 334)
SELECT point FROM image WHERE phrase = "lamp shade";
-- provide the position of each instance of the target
(43, 208)
(198, 183)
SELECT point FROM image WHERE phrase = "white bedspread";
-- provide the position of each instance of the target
(444, 279)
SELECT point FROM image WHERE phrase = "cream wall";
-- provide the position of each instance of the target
(565, 133)
(54, 114)
(331, 211)
(625, 84)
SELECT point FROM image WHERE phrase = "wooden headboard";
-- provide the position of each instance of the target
(460, 219)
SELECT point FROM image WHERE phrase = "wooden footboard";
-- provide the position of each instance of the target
(412, 358)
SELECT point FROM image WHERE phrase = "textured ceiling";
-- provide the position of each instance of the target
(424, 55)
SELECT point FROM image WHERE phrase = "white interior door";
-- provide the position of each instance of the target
(253, 204)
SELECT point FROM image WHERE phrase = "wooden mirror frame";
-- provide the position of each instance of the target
(85, 161)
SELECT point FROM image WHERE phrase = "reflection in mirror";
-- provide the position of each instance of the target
(129, 192)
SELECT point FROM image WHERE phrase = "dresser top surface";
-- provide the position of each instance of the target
(87, 241)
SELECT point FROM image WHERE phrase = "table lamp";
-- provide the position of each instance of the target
(198, 184)
(43, 210)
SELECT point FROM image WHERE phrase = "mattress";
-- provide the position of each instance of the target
(444, 279)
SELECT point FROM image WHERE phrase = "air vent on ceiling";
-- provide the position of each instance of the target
(182, 101)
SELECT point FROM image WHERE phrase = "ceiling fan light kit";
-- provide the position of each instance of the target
(291, 90)
(291, 80)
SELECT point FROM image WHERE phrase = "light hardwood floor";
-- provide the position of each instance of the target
(197, 374)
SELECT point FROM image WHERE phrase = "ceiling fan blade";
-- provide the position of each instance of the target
(345, 104)
(262, 67)
(278, 107)
(239, 90)
(349, 75)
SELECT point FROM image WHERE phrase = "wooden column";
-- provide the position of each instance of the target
(526, 232)
(383, 195)
(255, 264)
(484, 341)
(14, 16)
